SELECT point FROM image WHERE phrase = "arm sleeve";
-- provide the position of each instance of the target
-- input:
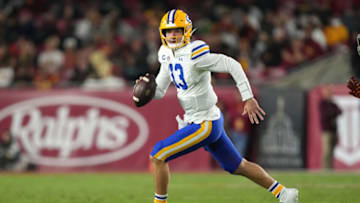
(162, 81)
(221, 63)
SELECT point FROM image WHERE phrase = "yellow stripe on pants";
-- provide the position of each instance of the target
(187, 142)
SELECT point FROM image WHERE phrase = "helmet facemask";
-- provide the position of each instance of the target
(174, 42)
(177, 44)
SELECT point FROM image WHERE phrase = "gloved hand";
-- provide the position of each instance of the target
(181, 122)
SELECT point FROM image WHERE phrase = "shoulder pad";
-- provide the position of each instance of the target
(199, 48)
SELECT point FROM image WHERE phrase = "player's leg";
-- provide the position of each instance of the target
(325, 150)
(161, 179)
(255, 173)
(181, 142)
(230, 159)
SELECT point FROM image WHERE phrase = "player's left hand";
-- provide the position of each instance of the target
(254, 111)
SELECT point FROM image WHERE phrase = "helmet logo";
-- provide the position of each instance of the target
(188, 19)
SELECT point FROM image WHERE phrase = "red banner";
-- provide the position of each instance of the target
(347, 149)
(94, 130)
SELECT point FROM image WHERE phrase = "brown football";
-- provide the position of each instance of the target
(144, 90)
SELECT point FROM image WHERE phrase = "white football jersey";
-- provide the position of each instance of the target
(189, 68)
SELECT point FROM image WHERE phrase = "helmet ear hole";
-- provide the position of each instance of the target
(163, 32)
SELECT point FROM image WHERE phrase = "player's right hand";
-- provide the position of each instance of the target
(141, 77)
(354, 87)
(254, 111)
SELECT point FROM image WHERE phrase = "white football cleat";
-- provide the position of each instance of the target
(289, 195)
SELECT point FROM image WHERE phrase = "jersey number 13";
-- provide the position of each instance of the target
(177, 74)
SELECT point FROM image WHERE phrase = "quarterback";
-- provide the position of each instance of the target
(188, 64)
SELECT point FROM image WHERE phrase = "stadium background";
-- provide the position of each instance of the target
(67, 70)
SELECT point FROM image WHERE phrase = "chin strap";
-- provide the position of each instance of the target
(192, 32)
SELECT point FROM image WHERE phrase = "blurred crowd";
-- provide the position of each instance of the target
(50, 44)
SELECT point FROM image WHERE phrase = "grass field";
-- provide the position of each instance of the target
(185, 188)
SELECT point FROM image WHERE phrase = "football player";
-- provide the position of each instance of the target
(358, 43)
(353, 84)
(188, 64)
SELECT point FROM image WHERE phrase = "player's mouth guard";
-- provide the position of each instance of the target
(358, 43)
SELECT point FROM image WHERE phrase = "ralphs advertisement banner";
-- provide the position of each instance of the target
(95, 130)
(52, 129)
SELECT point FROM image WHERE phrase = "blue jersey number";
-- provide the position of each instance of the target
(177, 74)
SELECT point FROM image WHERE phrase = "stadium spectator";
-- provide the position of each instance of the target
(87, 28)
(25, 60)
(239, 126)
(313, 31)
(11, 158)
(136, 60)
(104, 69)
(100, 60)
(70, 53)
(6, 68)
(329, 112)
(82, 69)
(293, 54)
(314, 44)
(336, 33)
(51, 62)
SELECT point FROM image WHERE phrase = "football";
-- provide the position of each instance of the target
(144, 90)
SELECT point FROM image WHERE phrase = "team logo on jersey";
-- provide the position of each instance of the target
(165, 58)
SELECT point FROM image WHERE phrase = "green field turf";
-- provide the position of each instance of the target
(185, 188)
